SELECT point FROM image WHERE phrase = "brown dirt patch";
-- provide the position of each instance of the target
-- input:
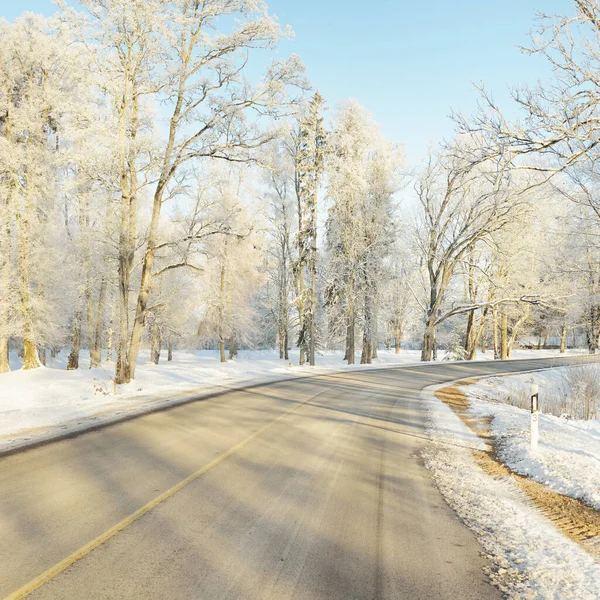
(575, 519)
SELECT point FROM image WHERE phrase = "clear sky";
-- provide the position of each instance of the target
(408, 61)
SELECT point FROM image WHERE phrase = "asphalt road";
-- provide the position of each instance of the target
(305, 489)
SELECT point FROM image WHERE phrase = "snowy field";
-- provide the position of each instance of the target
(568, 456)
(532, 559)
(40, 403)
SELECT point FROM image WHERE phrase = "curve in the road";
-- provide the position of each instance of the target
(319, 493)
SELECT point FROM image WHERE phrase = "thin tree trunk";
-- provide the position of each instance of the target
(73, 360)
(563, 339)
(483, 340)
(156, 342)
(280, 335)
(365, 358)
(375, 335)
(286, 340)
(233, 347)
(312, 342)
(504, 336)
(397, 336)
(469, 332)
(170, 352)
(96, 342)
(222, 315)
(301, 299)
(351, 316)
(497, 351)
(31, 358)
(109, 341)
(4, 360)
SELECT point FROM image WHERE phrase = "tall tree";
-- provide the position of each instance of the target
(309, 162)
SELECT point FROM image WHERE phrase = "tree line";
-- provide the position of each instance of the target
(155, 191)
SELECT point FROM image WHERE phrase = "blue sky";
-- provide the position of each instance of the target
(408, 62)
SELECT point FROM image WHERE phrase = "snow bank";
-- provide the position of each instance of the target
(43, 402)
(568, 456)
(532, 560)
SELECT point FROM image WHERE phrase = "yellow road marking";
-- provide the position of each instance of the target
(46, 576)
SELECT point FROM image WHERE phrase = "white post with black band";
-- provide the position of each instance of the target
(534, 415)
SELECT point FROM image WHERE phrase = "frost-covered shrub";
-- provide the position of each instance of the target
(574, 394)
(583, 391)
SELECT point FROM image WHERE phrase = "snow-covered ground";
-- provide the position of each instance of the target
(40, 403)
(532, 559)
(568, 455)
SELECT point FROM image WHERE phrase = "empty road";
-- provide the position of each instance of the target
(309, 489)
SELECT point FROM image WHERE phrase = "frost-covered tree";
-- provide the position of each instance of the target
(190, 57)
(309, 156)
(280, 203)
(362, 178)
(232, 274)
(461, 204)
(40, 79)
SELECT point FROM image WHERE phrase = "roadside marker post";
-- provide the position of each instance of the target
(534, 416)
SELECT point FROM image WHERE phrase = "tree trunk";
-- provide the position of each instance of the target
(300, 286)
(109, 342)
(312, 341)
(156, 342)
(31, 359)
(4, 362)
(427, 351)
(477, 333)
(375, 333)
(42, 355)
(350, 333)
(397, 336)
(123, 368)
(280, 337)
(73, 360)
(128, 348)
(350, 346)
(365, 357)
(468, 345)
(233, 347)
(483, 340)
(504, 336)
(222, 314)
(497, 351)
(563, 339)
(170, 352)
(96, 339)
